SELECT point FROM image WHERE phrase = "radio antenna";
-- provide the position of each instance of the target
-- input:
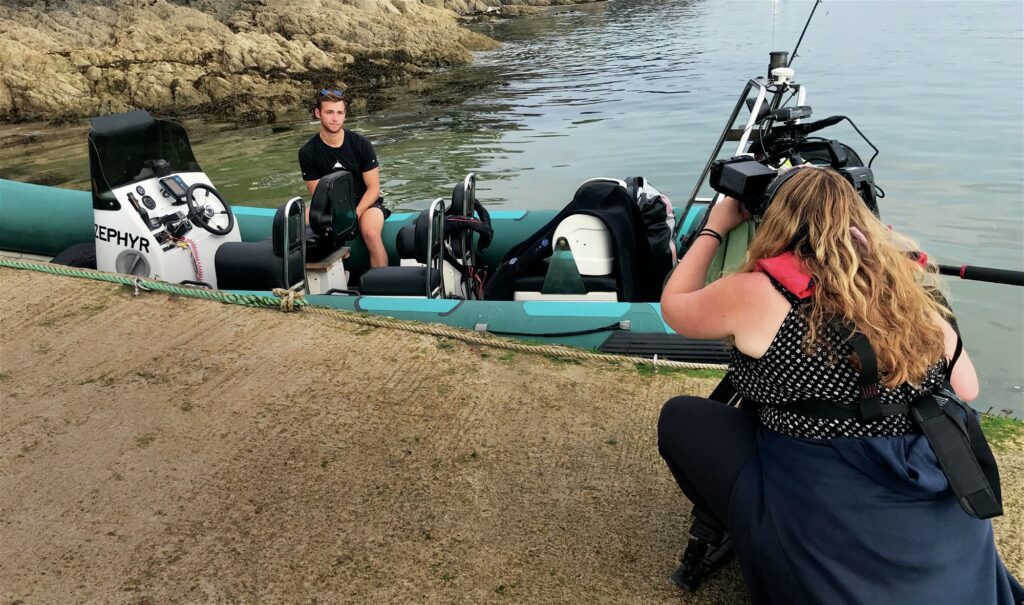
(793, 56)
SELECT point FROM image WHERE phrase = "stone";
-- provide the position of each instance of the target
(240, 59)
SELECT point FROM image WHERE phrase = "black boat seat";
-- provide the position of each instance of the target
(399, 281)
(413, 241)
(332, 215)
(262, 265)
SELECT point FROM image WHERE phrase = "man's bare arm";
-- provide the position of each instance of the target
(311, 185)
(372, 180)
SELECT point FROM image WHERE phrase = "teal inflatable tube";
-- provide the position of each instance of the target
(43, 220)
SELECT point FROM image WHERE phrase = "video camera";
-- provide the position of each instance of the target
(754, 182)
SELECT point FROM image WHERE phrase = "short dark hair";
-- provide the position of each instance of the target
(331, 95)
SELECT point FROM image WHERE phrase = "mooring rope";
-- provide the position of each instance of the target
(288, 301)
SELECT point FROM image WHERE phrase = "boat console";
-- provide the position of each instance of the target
(156, 213)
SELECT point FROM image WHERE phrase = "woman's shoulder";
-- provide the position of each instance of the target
(754, 293)
(754, 283)
(759, 312)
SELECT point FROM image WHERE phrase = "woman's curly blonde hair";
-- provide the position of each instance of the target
(862, 275)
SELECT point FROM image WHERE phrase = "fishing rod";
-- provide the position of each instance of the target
(780, 59)
(985, 274)
(801, 39)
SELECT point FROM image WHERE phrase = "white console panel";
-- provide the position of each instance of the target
(151, 236)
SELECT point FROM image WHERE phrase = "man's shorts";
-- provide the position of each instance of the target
(380, 204)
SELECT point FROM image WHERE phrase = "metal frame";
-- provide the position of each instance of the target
(435, 215)
(762, 87)
(295, 201)
(469, 193)
(468, 209)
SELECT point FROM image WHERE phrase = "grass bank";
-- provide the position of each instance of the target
(159, 449)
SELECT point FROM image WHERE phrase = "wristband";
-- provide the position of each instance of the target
(712, 233)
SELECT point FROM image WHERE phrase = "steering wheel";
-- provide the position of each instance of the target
(203, 214)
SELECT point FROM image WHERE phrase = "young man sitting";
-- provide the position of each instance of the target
(336, 148)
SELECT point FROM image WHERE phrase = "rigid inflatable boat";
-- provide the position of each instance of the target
(588, 275)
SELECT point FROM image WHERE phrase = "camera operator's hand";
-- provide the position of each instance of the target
(726, 215)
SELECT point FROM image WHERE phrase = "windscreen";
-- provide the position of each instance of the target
(123, 147)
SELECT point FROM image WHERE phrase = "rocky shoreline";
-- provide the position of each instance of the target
(244, 60)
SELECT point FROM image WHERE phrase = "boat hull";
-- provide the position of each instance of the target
(42, 220)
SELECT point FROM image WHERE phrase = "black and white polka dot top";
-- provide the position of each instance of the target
(787, 374)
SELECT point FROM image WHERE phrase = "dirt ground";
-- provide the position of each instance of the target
(156, 449)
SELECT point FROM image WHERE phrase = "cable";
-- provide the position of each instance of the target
(185, 242)
(866, 140)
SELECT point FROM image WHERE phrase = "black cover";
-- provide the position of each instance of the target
(655, 210)
(666, 346)
(612, 204)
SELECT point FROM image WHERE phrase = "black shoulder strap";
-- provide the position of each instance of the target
(870, 403)
(956, 354)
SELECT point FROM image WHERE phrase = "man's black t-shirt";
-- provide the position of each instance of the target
(318, 159)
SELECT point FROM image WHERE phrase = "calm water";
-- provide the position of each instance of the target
(642, 87)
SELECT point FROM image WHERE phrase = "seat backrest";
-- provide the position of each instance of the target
(332, 211)
(590, 242)
(468, 222)
(426, 235)
(405, 241)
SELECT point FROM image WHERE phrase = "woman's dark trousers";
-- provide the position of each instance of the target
(706, 444)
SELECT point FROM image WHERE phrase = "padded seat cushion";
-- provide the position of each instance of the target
(253, 266)
(593, 283)
(398, 281)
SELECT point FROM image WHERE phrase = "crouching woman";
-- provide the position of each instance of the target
(824, 507)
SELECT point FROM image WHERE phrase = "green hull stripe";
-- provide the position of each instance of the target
(585, 309)
(386, 304)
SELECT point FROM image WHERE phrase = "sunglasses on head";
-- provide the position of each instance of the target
(324, 92)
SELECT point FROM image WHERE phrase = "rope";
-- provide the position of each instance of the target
(288, 301)
(248, 300)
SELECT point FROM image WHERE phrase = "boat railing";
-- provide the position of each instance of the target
(435, 222)
(299, 221)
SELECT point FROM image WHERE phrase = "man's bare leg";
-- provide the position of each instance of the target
(371, 223)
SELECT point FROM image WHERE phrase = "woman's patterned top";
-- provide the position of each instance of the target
(785, 374)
